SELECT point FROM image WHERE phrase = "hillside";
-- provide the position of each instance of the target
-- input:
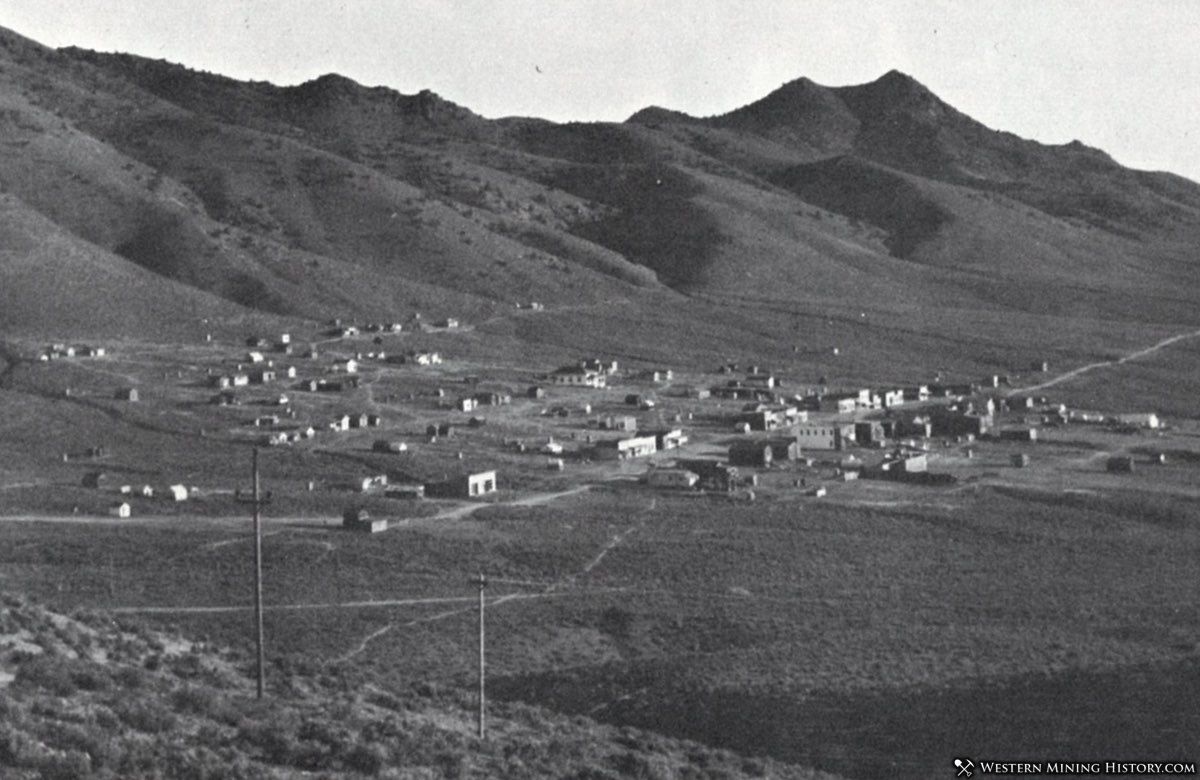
(89, 696)
(332, 198)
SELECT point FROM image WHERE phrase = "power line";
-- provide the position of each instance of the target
(260, 652)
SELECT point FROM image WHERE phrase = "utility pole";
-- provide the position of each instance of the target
(257, 501)
(482, 583)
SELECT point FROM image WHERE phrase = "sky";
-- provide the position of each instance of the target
(1121, 75)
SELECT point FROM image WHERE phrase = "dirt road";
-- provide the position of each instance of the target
(1069, 375)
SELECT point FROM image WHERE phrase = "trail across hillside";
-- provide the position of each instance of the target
(561, 587)
(1141, 353)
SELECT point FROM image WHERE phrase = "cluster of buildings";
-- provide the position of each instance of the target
(775, 427)
(588, 372)
(469, 403)
(59, 351)
(416, 358)
(126, 493)
(472, 484)
(349, 422)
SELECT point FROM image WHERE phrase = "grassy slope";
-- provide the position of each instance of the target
(255, 218)
(332, 198)
(93, 697)
(53, 283)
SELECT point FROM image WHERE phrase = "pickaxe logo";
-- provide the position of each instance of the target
(964, 766)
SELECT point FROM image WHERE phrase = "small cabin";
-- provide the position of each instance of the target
(357, 519)
(471, 485)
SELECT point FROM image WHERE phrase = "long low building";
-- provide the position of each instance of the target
(578, 376)
(1139, 419)
(672, 478)
(630, 447)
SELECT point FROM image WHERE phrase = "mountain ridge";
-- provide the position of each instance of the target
(330, 197)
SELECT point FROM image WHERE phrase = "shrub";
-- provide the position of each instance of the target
(53, 674)
(137, 758)
(186, 666)
(592, 773)
(312, 756)
(195, 699)
(71, 765)
(276, 745)
(451, 765)
(10, 711)
(106, 719)
(18, 748)
(91, 678)
(634, 765)
(84, 739)
(368, 759)
(148, 715)
(337, 738)
(129, 677)
(385, 700)
(197, 763)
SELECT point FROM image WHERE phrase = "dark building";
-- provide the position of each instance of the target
(750, 453)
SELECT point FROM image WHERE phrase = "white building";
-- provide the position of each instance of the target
(892, 397)
(367, 484)
(632, 447)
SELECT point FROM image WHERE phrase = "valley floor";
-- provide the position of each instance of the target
(881, 629)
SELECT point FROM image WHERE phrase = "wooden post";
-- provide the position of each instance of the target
(259, 646)
(482, 582)
(258, 605)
